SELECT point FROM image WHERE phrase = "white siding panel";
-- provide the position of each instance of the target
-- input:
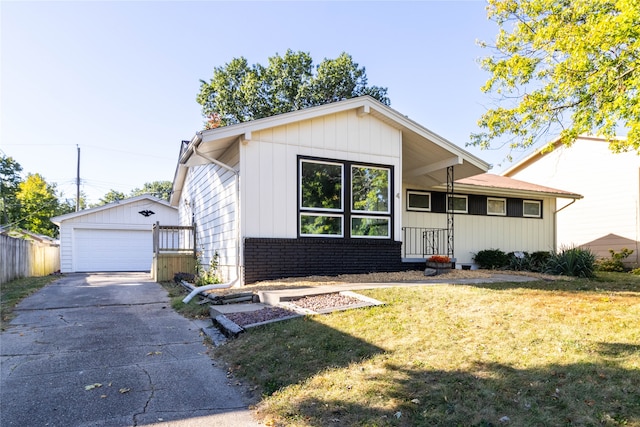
(269, 174)
(267, 188)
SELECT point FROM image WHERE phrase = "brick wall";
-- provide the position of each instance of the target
(267, 259)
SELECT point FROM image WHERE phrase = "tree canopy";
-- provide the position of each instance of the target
(9, 181)
(239, 92)
(38, 203)
(565, 68)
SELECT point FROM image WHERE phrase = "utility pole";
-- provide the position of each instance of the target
(78, 182)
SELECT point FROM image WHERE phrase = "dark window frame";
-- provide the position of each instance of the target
(346, 212)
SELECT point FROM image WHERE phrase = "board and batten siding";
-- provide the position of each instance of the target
(269, 182)
(473, 233)
(609, 182)
(213, 209)
(118, 217)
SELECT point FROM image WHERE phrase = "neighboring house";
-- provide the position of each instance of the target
(113, 237)
(347, 187)
(608, 216)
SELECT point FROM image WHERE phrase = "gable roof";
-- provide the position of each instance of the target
(58, 219)
(425, 155)
(491, 183)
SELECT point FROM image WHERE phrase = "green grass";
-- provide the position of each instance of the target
(11, 293)
(192, 309)
(539, 353)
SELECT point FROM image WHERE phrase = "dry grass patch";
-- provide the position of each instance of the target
(525, 354)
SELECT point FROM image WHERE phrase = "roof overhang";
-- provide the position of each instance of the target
(425, 155)
(501, 186)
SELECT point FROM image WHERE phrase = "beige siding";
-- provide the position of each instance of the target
(473, 233)
(609, 183)
(269, 176)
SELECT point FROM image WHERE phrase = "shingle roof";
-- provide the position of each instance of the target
(487, 180)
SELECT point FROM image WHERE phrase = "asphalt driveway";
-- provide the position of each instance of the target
(107, 350)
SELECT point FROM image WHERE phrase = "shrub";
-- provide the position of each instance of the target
(616, 262)
(491, 259)
(525, 261)
(577, 262)
(635, 271)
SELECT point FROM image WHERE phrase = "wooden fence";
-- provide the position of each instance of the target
(174, 251)
(26, 258)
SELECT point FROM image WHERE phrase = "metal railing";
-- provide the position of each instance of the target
(418, 241)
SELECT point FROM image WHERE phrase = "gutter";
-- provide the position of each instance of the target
(555, 223)
(230, 284)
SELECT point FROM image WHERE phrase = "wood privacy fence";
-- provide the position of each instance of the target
(27, 258)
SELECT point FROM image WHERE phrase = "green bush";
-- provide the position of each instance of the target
(525, 261)
(577, 262)
(616, 262)
(491, 259)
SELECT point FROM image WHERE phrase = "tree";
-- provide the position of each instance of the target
(160, 189)
(9, 181)
(238, 92)
(38, 203)
(567, 67)
(111, 196)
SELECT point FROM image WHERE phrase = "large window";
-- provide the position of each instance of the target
(324, 187)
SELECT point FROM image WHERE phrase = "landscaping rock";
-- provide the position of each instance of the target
(430, 271)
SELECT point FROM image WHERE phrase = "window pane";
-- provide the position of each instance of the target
(421, 201)
(371, 227)
(369, 189)
(531, 208)
(321, 185)
(497, 206)
(457, 204)
(320, 225)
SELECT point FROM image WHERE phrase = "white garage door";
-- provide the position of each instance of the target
(112, 250)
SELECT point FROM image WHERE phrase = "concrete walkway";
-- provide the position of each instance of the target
(108, 350)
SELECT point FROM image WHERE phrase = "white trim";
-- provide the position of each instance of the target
(354, 236)
(319, 209)
(418, 193)
(497, 199)
(341, 216)
(459, 196)
(538, 202)
(388, 169)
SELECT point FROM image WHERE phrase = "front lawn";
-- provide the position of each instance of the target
(522, 354)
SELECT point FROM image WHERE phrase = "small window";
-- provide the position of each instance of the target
(457, 204)
(320, 225)
(373, 227)
(496, 206)
(531, 208)
(418, 201)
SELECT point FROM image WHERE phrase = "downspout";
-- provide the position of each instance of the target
(227, 285)
(555, 223)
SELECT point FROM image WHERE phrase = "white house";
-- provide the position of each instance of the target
(609, 215)
(113, 237)
(348, 187)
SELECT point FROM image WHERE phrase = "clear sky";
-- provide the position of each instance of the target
(119, 79)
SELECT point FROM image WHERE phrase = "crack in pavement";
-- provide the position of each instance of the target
(146, 405)
(90, 306)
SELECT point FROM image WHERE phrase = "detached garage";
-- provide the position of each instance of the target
(113, 237)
